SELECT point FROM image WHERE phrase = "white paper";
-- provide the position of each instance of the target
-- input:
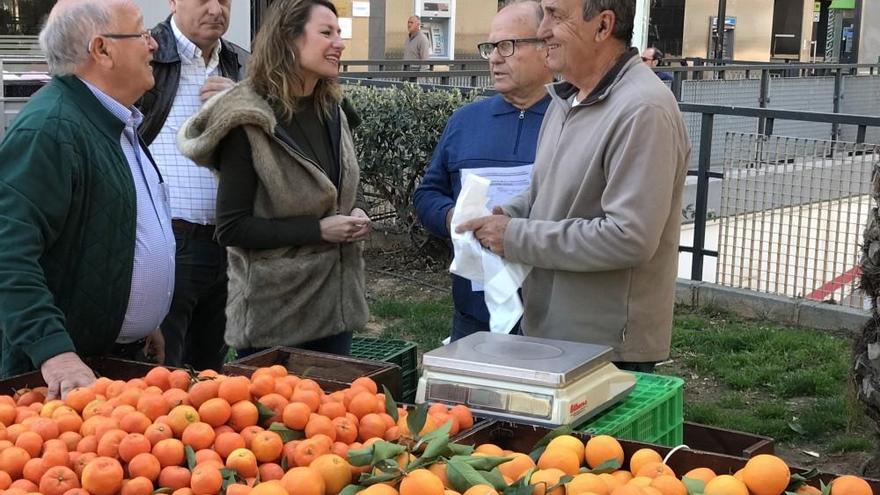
(360, 9)
(501, 278)
(345, 27)
(506, 182)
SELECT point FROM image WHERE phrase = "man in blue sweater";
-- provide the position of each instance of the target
(487, 136)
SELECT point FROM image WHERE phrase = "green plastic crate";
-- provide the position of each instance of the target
(653, 412)
(399, 352)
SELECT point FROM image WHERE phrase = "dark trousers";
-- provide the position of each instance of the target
(196, 322)
(464, 325)
(339, 344)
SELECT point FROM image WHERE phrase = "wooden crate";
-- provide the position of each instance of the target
(331, 371)
(723, 441)
(522, 438)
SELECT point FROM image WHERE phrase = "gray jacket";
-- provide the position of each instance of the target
(601, 221)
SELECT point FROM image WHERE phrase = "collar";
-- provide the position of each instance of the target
(499, 106)
(188, 51)
(566, 90)
(130, 115)
(87, 102)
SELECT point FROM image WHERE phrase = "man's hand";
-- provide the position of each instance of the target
(361, 234)
(65, 372)
(489, 231)
(155, 347)
(214, 85)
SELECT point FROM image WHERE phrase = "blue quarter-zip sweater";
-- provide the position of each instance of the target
(486, 133)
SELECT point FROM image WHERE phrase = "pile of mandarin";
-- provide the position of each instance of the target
(173, 432)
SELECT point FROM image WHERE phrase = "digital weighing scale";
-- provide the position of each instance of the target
(539, 381)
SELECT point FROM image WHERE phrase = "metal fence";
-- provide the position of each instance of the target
(791, 217)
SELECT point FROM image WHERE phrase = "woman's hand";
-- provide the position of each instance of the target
(365, 230)
(344, 228)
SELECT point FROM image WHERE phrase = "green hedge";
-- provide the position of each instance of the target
(400, 128)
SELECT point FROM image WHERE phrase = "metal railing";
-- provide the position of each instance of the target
(768, 117)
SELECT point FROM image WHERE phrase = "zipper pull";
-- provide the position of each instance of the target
(522, 114)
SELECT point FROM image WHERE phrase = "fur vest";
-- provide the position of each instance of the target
(285, 296)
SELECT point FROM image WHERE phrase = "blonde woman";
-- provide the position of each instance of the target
(287, 204)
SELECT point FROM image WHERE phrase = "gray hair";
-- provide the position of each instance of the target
(624, 15)
(536, 4)
(68, 32)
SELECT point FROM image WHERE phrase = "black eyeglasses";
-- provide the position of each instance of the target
(505, 48)
(145, 35)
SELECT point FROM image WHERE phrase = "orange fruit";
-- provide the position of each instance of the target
(58, 480)
(641, 457)
(703, 474)
(159, 376)
(371, 425)
(421, 482)
(198, 435)
(309, 450)
(30, 442)
(669, 485)
(102, 476)
(133, 444)
(480, 490)
(586, 483)
(304, 481)
(335, 471)
(169, 452)
(296, 415)
(569, 442)
(82, 461)
(174, 477)
(203, 391)
(235, 389)
(226, 442)
(367, 383)
(309, 397)
(206, 480)
(463, 413)
(273, 487)
(560, 458)
(808, 490)
(243, 461)
(180, 417)
(5, 480)
(137, 486)
(243, 414)
(12, 461)
(602, 448)
(270, 471)
(382, 489)
(439, 470)
(489, 449)
(545, 478)
(108, 444)
(850, 485)
(215, 411)
(145, 465)
(514, 469)
(363, 403)
(267, 446)
(766, 474)
(179, 379)
(725, 485)
(655, 469)
(34, 470)
(80, 397)
(321, 425)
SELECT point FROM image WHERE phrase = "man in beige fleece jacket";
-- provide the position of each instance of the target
(600, 223)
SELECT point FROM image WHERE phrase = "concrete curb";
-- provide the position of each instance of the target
(779, 309)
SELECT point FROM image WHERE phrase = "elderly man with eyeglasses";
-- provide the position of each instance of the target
(497, 133)
(86, 247)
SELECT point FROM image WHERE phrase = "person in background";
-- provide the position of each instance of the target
(86, 248)
(652, 58)
(288, 207)
(191, 64)
(600, 222)
(492, 134)
(417, 45)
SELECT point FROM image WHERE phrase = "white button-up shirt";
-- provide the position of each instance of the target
(193, 188)
(152, 279)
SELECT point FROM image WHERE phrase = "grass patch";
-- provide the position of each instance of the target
(426, 322)
(790, 384)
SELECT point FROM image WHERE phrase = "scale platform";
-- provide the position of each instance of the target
(540, 381)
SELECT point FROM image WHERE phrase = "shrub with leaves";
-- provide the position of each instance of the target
(400, 128)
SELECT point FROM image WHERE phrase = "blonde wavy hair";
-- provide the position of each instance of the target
(273, 68)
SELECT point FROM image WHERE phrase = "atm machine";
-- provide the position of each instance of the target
(437, 19)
